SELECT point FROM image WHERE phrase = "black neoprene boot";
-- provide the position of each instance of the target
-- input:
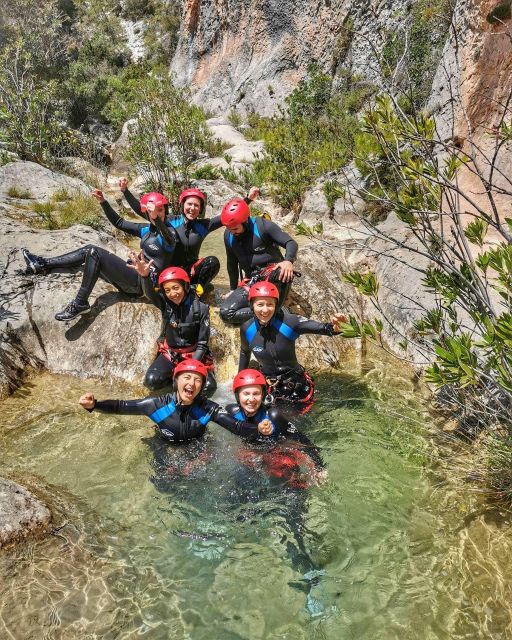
(72, 311)
(35, 264)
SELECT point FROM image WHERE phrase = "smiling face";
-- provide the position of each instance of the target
(174, 291)
(189, 385)
(155, 211)
(192, 207)
(264, 309)
(250, 398)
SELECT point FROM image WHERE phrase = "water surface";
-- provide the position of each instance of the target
(193, 543)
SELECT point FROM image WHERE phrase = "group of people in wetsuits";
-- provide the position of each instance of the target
(170, 273)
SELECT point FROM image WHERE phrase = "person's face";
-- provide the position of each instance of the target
(174, 291)
(264, 309)
(189, 386)
(192, 207)
(250, 398)
(155, 211)
(237, 229)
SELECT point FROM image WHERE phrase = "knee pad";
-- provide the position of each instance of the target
(155, 380)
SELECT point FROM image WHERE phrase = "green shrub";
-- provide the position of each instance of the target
(206, 172)
(313, 136)
(14, 192)
(62, 195)
(169, 136)
(46, 215)
(80, 209)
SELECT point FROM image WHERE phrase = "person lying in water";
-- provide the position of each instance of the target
(184, 414)
(270, 336)
(157, 241)
(292, 458)
(186, 324)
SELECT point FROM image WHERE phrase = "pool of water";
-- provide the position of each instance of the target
(196, 543)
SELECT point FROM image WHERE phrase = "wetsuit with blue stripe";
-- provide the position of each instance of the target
(157, 244)
(190, 236)
(178, 422)
(280, 424)
(273, 346)
(249, 253)
(186, 330)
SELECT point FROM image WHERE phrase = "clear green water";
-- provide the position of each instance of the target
(387, 547)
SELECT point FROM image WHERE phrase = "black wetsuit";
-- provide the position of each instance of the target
(186, 329)
(177, 422)
(280, 423)
(156, 244)
(250, 252)
(191, 234)
(273, 346)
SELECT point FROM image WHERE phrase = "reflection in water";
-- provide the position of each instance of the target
(219, 539)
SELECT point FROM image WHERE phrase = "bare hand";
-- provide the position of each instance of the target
(138, 262)
(337, 318)
(98, 194)
(123, 184)
(254, 193)
(88, 401)
(286, 267)
(265, 427)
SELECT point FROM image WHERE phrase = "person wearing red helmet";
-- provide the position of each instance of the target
(185, 324)
(182, 415)
(191, 228)
(270, 336)
(157, 241)
(253, 249)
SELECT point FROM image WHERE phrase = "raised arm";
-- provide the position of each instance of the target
(302, 325)
(119, 223)
(133, 202)
(142, 407)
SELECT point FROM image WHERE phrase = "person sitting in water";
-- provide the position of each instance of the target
(157, 241)
(191, 228)
(184, 414)
(270, 336)
(186, 324)
(252, 247)
(296, 461)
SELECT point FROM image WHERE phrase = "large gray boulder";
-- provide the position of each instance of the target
(21, 513)
(116, 339)
(38, 181)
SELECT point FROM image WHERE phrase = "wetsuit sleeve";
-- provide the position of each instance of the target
(245, 352)
(239, 427)
(213, 223)
(143, 407)
(303, 325)
(232, 266)
(149, 291)
(133, 202)
(120, 223)
(204, 333)
(279, 237)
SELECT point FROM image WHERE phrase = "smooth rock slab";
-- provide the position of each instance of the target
(21, 514)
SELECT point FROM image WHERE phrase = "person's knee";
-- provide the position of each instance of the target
(156, 380)
(210, 385)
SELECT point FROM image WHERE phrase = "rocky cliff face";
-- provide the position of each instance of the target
(251, 55)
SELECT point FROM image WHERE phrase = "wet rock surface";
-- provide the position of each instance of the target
(21, 513)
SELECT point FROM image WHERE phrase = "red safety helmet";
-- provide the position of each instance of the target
(156, 198)
(263, 289)
(248, 377)
(174, 273)
(235, 212)
(190, 365)
(195, 193)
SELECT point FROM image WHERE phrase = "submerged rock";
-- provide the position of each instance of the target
(21, 513)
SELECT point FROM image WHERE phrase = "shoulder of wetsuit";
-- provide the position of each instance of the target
(232, 408)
